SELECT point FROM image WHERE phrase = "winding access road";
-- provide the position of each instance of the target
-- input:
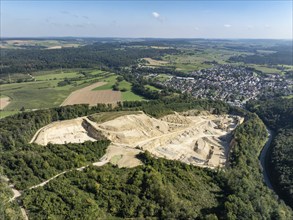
(262, 158)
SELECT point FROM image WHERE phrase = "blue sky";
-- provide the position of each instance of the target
(167, 19)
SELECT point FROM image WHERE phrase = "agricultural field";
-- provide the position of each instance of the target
(152, 88)
(17, 77)
(197, 57)
(287, 67)
(266, 51)
(45, 90)
(110, 80)
(55, 75)
(193, 59)
(279, 69)
(265, 69)
(162, 77)
(34, 95)
(92, 97)
(161, 47)
(128, 95)
(5, 113)
(66, 73)
(43, 75)
(45, 44)
(153, 62)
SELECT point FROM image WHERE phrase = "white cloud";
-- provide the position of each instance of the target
(267, 26)
(196, 29)
(156, 14)
(158, 17)
(227, 25)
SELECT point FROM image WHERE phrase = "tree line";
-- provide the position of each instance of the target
(282, 55)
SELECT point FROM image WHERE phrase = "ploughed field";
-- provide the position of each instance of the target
(89, 96)
(199, 140)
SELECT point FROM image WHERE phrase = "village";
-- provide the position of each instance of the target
(233, 84)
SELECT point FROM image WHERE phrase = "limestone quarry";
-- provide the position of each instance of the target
(201, 140)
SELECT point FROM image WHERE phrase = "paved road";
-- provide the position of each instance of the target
(262, 159)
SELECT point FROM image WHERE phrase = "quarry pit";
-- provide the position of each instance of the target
(200, 140)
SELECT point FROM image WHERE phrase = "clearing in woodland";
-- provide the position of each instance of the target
(198, 140)
(153, 62)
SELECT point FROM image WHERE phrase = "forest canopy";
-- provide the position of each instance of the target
(158, 189)
(278, 115)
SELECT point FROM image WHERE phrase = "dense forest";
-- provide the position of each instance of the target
(37, 164)
(8, 210)
(110, 55)
(278, 115)
(165, 189)
(158, 189)
(161, 189)
(282, 55)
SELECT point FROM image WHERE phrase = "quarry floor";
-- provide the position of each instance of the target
(201, 140)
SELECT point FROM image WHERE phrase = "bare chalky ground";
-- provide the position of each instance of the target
(199, 140)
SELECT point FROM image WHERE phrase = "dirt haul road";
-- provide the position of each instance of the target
(198, 140)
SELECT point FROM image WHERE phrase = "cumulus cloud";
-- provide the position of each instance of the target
(227, 25)
(158, 17)
(156, 14)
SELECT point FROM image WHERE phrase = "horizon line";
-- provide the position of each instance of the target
(187, 38)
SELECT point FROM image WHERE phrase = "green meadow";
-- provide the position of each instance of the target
(152, 88)
(110, 80)
(128, 95)
(44, 92)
